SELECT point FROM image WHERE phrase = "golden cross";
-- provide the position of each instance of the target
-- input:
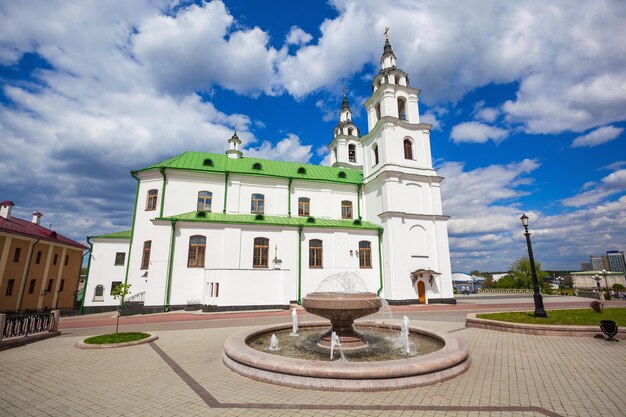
(344, 91)
(386, 33)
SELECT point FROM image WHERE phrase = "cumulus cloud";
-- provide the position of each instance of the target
(288, 149)
(485, 114)
(476, 132)
(612, 184)
(297, 36)
(597, 137)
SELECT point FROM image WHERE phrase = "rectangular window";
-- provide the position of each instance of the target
(304, 206)
(205, 199)
(352, 153)
(197, 249)
(56, 258)
(38, 257)
(151, 200)
(145, 260)
(261, 252)
(346, 209)
(114, 285)
(9, 289)
(62, 286)
(365, 254)
(31, 286)
(315, 253)
(257, 204)
(50, 284)
(16, 255)
(67, 260)
(120, 257)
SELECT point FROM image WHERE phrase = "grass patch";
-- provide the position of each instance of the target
(580, 317)
(106, 339)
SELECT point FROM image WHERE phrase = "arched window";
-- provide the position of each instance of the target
(350, 131)
(352, 153)
(401, 108)
(98, 294)
(257, 204)
(257, 166)
(377, 107)
(346, 209)
(408, 149)
(315, 253)
(304, 206)
(261, 252)
(365, 254)
(205, 199)
(375, 149)
(335, 154)
(145, 258)
(151, 200)
(197, 250)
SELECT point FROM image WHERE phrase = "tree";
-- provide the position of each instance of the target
(520, 269)
(120, 292)
(618, 287)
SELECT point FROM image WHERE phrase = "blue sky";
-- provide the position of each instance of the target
(527, 101)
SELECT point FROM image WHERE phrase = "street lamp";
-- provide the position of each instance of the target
(606, 283)
(539, 310)
(597, 279)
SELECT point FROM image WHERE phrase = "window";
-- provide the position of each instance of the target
(67, 260)
(50, 285)
(352, 153)
(31, 286)
(38, 257)
(120, 257)
(151, 201)
(304, 206)
(375, 149)
(62, 286)
(377, 108)
(205, 199)
(197, 249)
(351, 131)
(401, 108)
(98, 294)
(9, 290)
(114, 285)
(260, 254)
(145, 259)
(302, 171)
(315, 253)
(341, 174)
(365, 254)
(258, 204)
(56, 258)
(408, 149)
(16, 255)
(207, 162)
(257, 166)
(346, 209)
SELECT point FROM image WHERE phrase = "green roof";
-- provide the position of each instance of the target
(205, 217)
(117, 235)
(211, 162)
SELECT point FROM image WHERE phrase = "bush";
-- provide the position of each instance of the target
(618, 287)
(597, 306)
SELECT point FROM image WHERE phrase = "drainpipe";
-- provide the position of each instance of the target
(82, 302)
(132, 228)
(289, 197)
(31, 250)
(170, 265)
(380, 260)
(299, 264)
(225, 190)
(162, 170)
(358, 201)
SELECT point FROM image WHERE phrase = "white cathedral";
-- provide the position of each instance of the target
(227, 232)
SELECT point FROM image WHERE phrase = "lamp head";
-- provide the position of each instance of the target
(524, 220)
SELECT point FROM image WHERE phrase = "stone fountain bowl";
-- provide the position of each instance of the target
(341, 307)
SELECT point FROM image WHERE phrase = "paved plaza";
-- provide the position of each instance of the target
(181, 374)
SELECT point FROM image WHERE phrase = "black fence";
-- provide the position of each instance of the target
(27, 324)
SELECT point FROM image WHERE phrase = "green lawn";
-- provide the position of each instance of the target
(116, 338)
(572, 317)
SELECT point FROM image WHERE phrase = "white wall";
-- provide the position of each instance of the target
(103, 271)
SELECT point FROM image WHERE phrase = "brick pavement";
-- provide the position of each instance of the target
(511, 375)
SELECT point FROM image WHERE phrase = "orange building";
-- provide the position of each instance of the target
(39, 268)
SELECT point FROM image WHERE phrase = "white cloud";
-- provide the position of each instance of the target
(431, 118)
(612, 184)
(288, 149)
(476, 132)
(598, 136)
(297, 36)
(485, 114)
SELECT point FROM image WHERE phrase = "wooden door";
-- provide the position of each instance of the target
(421, 292)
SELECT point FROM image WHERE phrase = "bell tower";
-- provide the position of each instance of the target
(345, 148)
(401, 190)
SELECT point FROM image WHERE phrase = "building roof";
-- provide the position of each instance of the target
(126, 234)
(27, 228)
(218, 163)
(205, 217)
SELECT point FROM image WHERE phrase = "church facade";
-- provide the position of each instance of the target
(225, 232)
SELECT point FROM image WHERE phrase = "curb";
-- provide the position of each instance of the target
(83, 345)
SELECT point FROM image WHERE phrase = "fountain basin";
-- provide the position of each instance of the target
(446, 363)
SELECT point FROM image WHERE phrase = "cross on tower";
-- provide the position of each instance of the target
(386, 33)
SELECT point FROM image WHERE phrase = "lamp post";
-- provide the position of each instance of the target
(606, 283)
(539, 310)
(597, 279)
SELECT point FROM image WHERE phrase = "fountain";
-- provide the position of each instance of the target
(273, 343)
(294, 323)
(373, 357)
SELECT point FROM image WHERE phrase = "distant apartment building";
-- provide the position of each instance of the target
(616, 261)
(39, 268)
(597, 263)
(586, 266)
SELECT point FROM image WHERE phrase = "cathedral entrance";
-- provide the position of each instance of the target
(421, 292)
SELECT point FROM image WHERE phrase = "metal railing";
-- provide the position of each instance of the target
(136, 298)
(26, 324)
